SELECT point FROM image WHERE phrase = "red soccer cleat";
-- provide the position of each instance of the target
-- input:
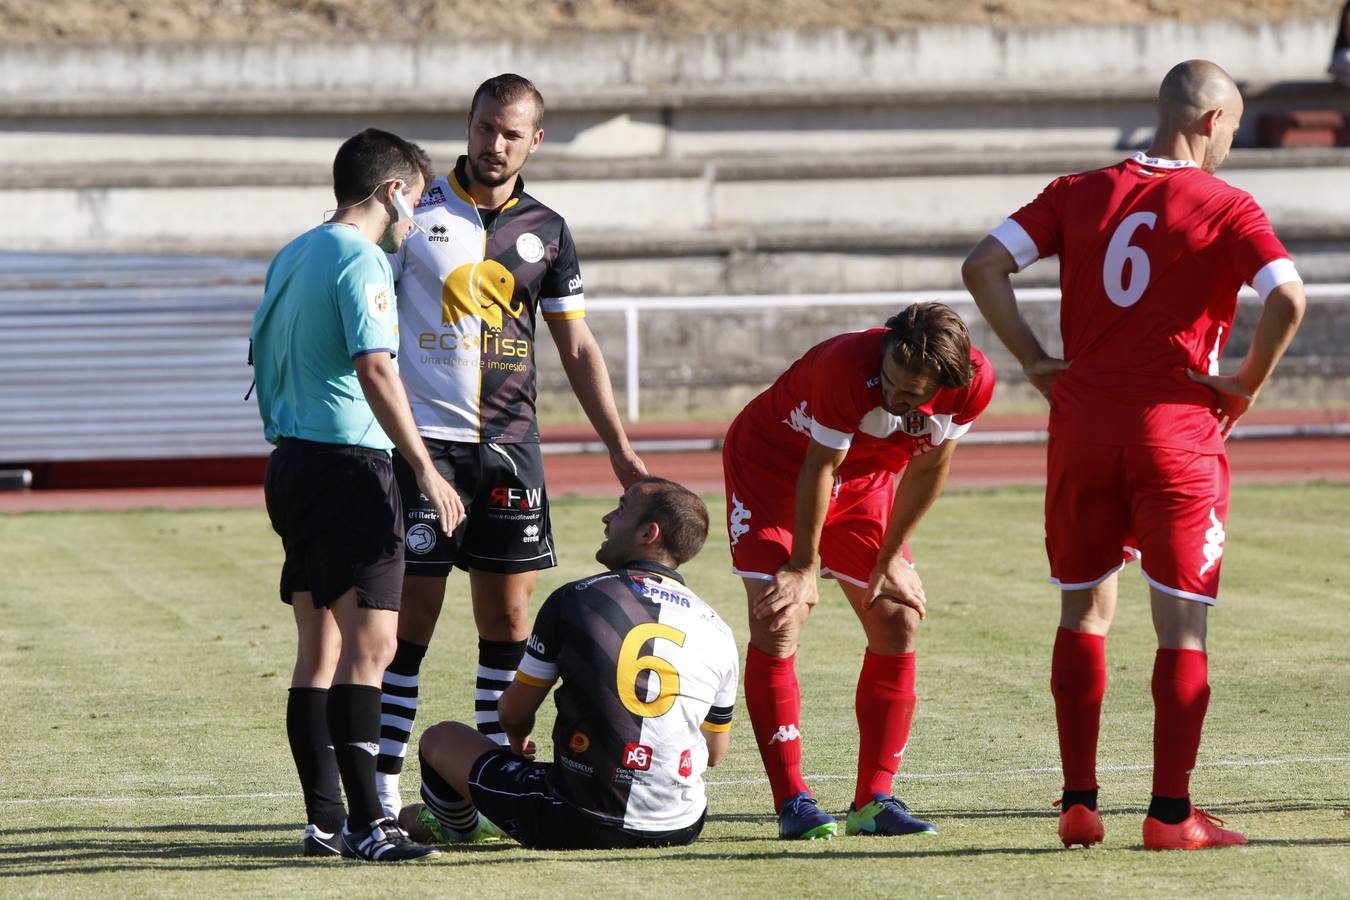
(1200, 830)
(1080, 825)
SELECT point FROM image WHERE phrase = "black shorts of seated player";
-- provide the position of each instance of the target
(339, 518)
(506, 525)
(513, 793)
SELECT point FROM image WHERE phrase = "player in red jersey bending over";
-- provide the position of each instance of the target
(1152, 253)
(809, 472)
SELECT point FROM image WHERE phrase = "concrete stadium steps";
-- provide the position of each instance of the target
(753, 225)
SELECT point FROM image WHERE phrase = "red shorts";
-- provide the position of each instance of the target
(1105, 505)
(761, 500)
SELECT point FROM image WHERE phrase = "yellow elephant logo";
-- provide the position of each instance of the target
(482, 290)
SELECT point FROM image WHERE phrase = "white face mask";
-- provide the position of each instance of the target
(403, 210)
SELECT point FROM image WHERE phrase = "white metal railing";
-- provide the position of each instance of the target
(632, 308)
(127, 366)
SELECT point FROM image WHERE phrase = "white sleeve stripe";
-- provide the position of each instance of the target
(1017, 242)
(537, 668)
(956, 432)
(563, 304)
(1272, 275)
(835, 440)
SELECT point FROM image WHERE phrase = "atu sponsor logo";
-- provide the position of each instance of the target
(637, 756)
(515, 498)
(686, 763)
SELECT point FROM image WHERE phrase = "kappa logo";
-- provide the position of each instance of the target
(574, 283)
(372, 748)
(637, 756)
(799, 420)
(1213, 548)
(420, 538)
(785, 733)
(536, 645)
(738, 516)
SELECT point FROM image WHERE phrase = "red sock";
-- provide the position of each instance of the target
(884, 704)
(1180, 699)
(1078, 682)
(775, 703)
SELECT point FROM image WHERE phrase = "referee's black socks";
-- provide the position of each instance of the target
(307, 729)
(354, 723)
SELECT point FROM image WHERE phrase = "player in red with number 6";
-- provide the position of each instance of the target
(1152, 253)
(810, 469)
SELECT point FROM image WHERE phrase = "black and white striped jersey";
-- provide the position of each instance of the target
(470, 284)
(645, 666)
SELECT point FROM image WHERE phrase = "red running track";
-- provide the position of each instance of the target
(1253, 461)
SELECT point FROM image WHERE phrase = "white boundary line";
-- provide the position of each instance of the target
(910, 776)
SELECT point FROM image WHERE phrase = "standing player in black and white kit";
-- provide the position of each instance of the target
(487, 260)
(648, 683)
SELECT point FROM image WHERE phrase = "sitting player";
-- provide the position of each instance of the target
(648, 683)
(809, 466)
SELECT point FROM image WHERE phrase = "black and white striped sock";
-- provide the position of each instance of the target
(497, 662)
(398, 709)
(454, 812)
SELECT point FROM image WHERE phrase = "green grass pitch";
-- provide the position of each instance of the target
(145, 661)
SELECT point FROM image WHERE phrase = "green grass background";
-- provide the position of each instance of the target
(145, 660)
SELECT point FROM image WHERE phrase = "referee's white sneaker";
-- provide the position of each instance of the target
(383, 841)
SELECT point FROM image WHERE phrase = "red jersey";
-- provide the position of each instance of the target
(833, 395)
(1152, 254)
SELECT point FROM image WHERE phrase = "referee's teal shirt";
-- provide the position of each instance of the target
(329, 299)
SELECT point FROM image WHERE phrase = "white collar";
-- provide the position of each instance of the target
(1156, 163)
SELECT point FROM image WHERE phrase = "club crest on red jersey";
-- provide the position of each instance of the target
(914, 423)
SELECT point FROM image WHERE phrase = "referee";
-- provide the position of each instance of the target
(329, 393)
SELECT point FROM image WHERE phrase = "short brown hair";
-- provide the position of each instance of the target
(509, 88)
(681, 515)
(369, 159)
(931, 338)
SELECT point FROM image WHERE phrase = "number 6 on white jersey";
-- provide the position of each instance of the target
(1118, 252)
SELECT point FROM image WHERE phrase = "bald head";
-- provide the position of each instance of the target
(1192, 89)
(1199, 100)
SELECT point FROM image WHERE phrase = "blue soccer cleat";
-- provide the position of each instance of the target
(801, 819)
(885, 816)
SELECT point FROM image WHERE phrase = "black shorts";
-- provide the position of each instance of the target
(514, 794)
(505, 527)
(338, 515)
